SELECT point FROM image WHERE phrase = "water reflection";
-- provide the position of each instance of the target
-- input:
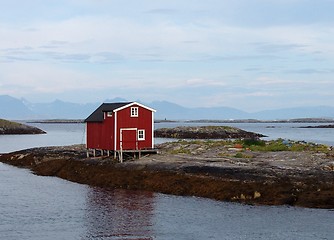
(119, 214)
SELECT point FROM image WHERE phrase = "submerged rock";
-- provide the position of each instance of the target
(9, 127)
(205, 132)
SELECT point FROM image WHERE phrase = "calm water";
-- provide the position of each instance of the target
(34, 207)
(277, 130)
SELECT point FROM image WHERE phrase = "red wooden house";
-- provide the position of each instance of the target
(118, 127)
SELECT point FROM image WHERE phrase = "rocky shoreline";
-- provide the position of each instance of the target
(221, 171)
(205, 132)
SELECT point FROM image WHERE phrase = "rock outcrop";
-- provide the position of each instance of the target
(205, 132)
(204, 169)
(9, 127)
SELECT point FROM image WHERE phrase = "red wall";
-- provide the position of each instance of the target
(100, 135)
(143, 121)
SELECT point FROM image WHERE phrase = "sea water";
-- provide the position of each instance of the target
(35, 207)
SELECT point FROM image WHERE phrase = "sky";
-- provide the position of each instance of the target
(248, 54)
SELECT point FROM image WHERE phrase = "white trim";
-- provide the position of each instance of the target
(126, 129)
(134, 103)
(134, 111)
(115, 132)
(129, 129)
(121, 135)
(152, 129)
(143, 133)
(86, 135)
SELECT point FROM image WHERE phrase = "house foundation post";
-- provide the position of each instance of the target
(121, 156)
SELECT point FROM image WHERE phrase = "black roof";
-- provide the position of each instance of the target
(97, 115)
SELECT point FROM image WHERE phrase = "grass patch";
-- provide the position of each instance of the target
(271, 146)
(257, 145)
(242, 155)
(253, 142)
(239, 155)
(180, 151)
(9, 124)
(283, 145)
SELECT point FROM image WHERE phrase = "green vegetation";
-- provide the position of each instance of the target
(282, 145)
(206, 143)
(9, 127)
(244, 147)
(9, 124)
(253, 142)
(180, 151)
(242, 155)
(239, 155)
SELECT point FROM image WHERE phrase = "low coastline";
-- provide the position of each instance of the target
(10, 128)
(197, 168)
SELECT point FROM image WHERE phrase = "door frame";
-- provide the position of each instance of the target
(121, 137)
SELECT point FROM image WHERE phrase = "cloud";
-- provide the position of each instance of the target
(311, 71)
(78, 37)
(198, 82)
(275, 47)
(161, 11)
(234, 50)
(269, 81)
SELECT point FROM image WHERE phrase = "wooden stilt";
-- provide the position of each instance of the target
(87, 153)
(94, 152)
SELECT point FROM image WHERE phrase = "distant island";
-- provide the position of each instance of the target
(320, 126)
(205, 132)
(58, 121)
(10, 127)
(293, 120)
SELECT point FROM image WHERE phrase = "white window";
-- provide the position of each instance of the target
(109, 114)
(141, 134)
(134, 111)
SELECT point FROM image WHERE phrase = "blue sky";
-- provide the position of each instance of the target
(248, 54)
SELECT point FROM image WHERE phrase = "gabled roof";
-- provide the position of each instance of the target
(97, 115)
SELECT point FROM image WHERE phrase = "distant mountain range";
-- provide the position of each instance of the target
(21, 109)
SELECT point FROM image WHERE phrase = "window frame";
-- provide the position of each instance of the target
(141, 134)
(134, 111)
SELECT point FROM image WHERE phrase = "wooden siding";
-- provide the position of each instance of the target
(101, 135)
(142, 122)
